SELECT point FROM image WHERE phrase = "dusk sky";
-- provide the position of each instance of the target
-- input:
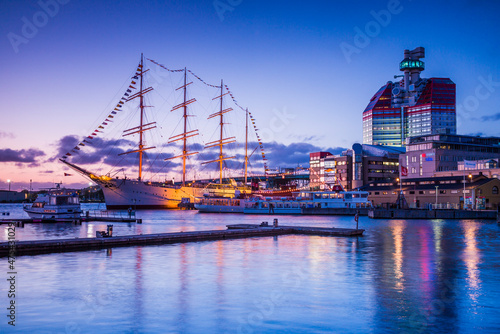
(305, 69)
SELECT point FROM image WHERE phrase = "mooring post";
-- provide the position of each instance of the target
(356, 218)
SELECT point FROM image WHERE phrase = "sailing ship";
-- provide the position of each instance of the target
(122, 193)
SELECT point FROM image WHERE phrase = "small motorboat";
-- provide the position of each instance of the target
(55, 205)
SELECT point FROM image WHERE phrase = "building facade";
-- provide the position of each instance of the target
(317, 170)
(428, 155)
(449, 192)
(7, 196)
(410, 107)
(354, 167)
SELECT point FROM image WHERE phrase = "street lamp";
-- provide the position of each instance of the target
(400, 185)
(8, 181)
(471, 198)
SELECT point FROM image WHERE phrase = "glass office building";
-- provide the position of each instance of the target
(410, 107)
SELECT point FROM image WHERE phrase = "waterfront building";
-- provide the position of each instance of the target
(316, 170)
(354, 167)
(444, 154)
(7, 196)
(413, 106)
(448, 192)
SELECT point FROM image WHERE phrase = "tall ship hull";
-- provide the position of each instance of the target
(124, 193)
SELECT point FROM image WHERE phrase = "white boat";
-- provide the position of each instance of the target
(220, 205)
(308, 199)
(122, 193)
(54, 206)
(213, 202)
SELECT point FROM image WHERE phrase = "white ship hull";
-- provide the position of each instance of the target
(55, 205)
(220, 205)
(54, 214)
(124, 193)
(309, 199)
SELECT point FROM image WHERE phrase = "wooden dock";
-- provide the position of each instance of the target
(22, 221)
(233, 232)
(431, 214)
(321, 231)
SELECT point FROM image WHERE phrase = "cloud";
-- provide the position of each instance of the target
(476, 134)
(490, 118)
(21, 156)
(95, 150)
(294, 154)
(106, 153)
(308, 139)
(7, 135)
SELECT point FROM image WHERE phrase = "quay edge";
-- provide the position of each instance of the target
(432, 214)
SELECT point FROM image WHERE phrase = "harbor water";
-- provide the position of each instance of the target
(401, 276)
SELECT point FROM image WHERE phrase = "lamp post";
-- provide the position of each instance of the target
(471, 199)
(437, 188)
(8, 181)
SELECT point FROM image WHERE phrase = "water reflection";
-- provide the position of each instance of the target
(471, 257)
(401, 276)
(183, 293)
(398, 232)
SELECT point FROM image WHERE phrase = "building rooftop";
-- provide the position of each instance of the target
(429, 183)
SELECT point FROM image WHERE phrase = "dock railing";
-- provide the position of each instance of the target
(110, 214)
(444, 206)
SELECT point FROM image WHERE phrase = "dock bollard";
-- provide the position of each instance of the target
(275, 222)
(110, 231)
(139, 221)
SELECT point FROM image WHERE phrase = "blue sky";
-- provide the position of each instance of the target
(279, 58)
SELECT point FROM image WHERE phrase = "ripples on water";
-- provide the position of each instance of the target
(439, 276)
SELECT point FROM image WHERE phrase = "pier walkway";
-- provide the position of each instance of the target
(233, 232)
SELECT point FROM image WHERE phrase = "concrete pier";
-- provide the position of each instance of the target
(336, 211)
(233, 232)
(431, 214)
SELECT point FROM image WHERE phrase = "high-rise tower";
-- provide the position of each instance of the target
(410, 107)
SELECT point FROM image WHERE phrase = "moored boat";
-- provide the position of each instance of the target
(220, 205)
(55, 206)
(221, 200)
(308, 199)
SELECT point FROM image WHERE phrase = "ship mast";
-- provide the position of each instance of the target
(246, 145)
(184, 135)
(221, 141)
(142, 127)
(141, 106)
